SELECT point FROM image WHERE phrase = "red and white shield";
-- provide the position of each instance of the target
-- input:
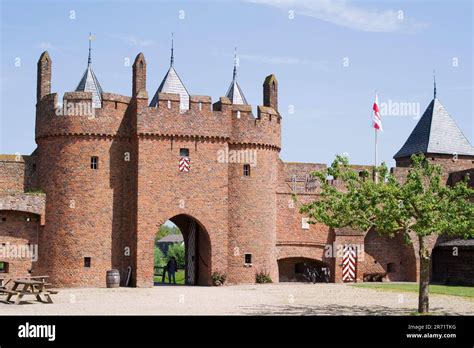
(184, 164)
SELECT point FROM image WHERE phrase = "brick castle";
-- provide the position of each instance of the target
(108, 171)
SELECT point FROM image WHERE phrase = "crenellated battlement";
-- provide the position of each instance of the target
(77, 116)
(223, 120)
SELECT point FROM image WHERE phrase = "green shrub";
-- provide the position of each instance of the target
(218, 278)
(159, 257)
(263, 277)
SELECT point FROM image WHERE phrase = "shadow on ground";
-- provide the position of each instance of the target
(335, 309)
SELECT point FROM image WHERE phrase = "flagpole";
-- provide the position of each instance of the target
(376, 145)
(375, 164)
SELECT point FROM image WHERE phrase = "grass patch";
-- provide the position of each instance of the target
(179, 277)
(452, 290)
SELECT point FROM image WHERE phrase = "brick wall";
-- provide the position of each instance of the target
(17, 173)
(164, 192)
(18, 230)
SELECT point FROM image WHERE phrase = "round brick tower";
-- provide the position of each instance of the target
(81, 169)
(255, 143)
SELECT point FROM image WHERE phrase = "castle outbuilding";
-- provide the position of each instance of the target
(110, 169)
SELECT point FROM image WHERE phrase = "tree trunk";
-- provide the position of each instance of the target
(423, 297)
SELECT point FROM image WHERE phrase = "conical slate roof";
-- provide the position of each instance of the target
(172, 84)
(89, 83)
(436, 132)
(235, 94)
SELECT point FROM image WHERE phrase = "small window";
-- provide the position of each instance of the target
(184, 152)
(94, 162)
(4, 219)
(238, 114)
(87, 262)
(3, 267)
(200, 106)
(246, 169)
(390, 267)
(46, 64)
(33, 167)
(305, 223)
(248, 259)
(169, 104)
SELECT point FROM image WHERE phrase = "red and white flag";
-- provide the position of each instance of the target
(376, 120)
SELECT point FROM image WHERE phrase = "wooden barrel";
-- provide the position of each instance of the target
(113, 278)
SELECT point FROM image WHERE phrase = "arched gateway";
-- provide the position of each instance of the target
(197, 250)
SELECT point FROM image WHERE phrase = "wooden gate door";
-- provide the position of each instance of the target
(191, 258)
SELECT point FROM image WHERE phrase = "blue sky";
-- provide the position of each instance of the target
(329, 58)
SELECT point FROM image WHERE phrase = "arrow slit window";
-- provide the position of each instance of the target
(246, 169)
(94, 162)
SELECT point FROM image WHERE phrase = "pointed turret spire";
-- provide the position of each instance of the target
(172, 49)
(172, 84)
(89, 82)
(234, 93)
(434, 84)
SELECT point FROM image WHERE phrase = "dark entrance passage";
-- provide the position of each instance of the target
(293, 269)
(453, 262)
(194, 260)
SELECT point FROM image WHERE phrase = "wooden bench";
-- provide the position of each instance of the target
(29, 287)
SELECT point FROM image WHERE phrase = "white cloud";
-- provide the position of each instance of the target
(46, 46)
(279, 60)
(134, 41)
(340, 12)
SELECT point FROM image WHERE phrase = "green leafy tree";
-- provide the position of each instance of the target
(160, 260)
(176, 250)
(420, 207)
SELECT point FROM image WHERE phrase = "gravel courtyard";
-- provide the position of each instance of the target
(268, 299)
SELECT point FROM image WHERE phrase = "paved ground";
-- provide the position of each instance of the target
(281, 299)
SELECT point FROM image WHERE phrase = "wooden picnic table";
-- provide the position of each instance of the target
(30, 287)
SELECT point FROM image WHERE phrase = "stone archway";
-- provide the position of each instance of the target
(197, 248)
